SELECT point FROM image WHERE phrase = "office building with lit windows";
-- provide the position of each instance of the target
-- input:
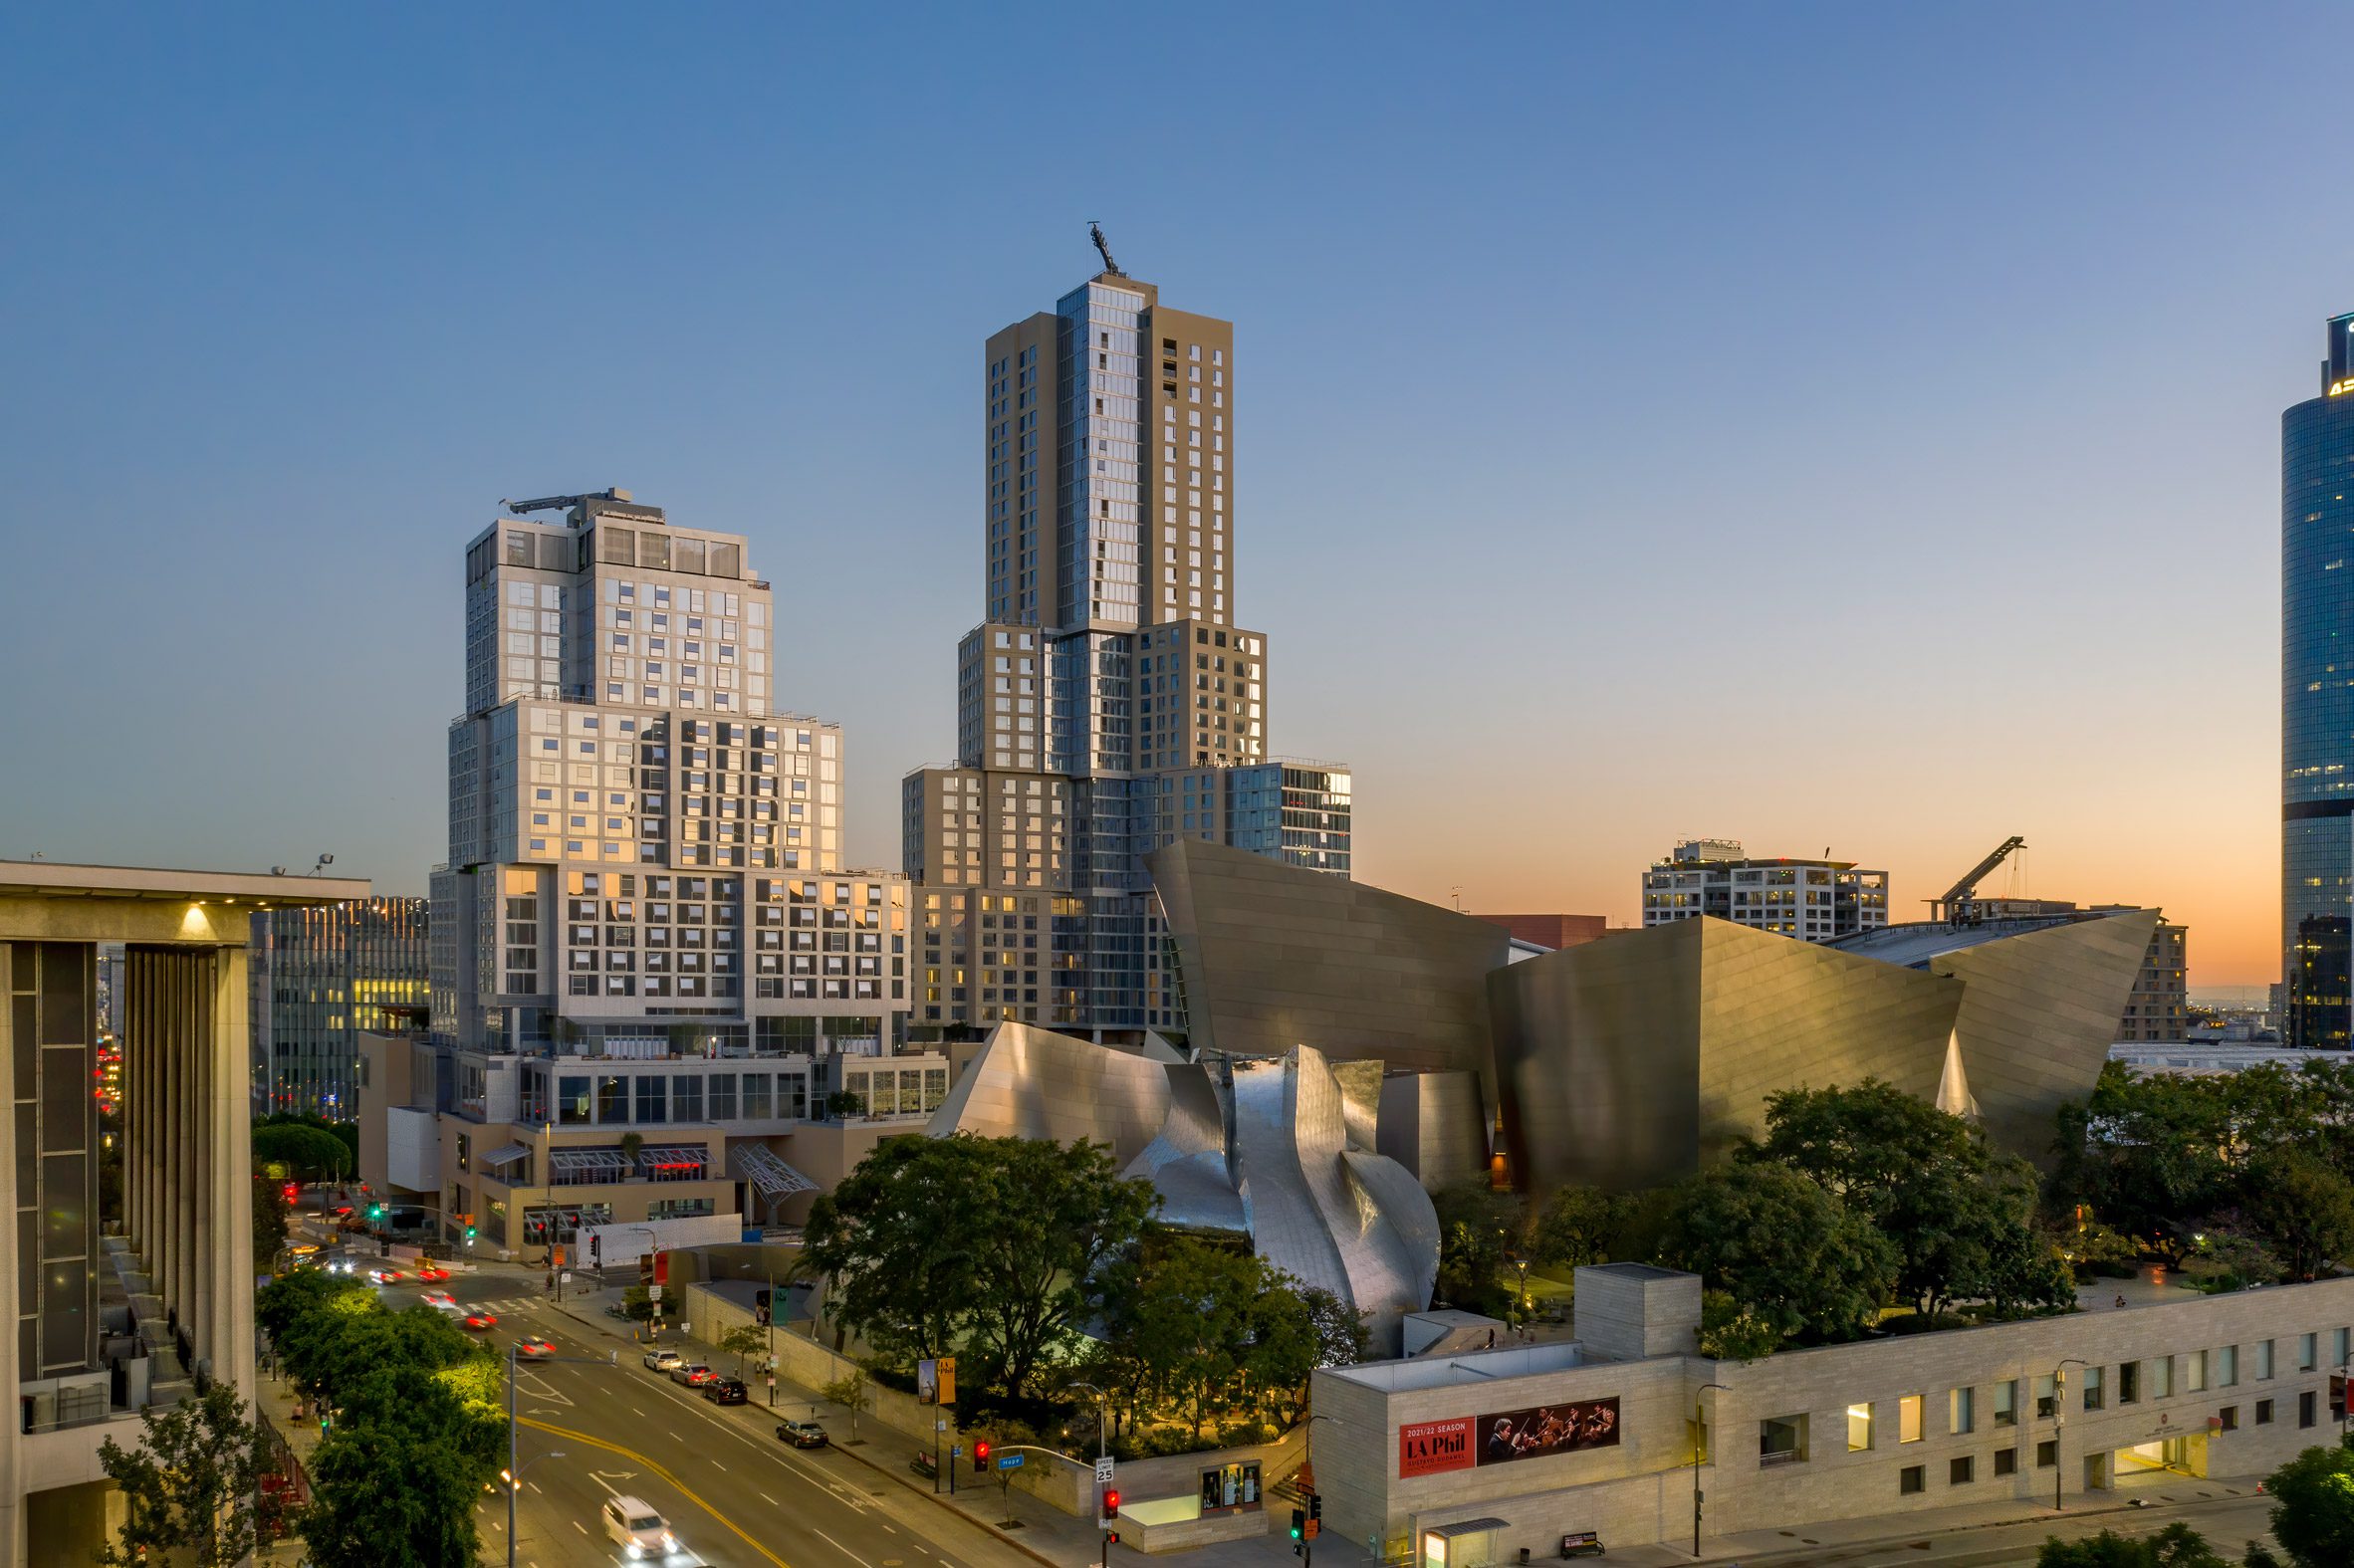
(2317, 703)
(1109, 704)
(319, 978)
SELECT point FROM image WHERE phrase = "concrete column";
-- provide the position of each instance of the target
(198, 1043)
(183, 1042)
(231, 1141)
(13, 1543)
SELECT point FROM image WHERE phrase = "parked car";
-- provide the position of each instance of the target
(694, 1374)
(662, 1359)
(802, 1433)
(726, 1390)
(533, 1348)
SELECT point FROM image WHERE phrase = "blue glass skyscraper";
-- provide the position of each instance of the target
(2317, 702)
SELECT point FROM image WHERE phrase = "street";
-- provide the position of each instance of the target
(732, 1494)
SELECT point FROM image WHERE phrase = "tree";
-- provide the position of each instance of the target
(743, 1341)
(2176, 1546)
(891, 1242)
(302, 1149)
(1960, 1215)
(1729, 1331)
(1575, 1227)
(1184, 1325)
(1344, 1337)
(1477, 1226)
(844, 1103)
(396, 1482)
(192, 1485)
(2155, 1154)
(2302, 1207)
(2313, 1507)
(849, 1392)
(1775, 1240)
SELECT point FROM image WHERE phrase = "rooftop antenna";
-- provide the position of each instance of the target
(1095, 232)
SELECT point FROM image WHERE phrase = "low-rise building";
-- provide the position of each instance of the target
(1468, 1458)
(1813, 900)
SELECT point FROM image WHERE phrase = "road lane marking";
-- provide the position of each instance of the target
(887, 1530)
(578, 1525)
(688, 1492)
(839, 1547)
(771, 1501)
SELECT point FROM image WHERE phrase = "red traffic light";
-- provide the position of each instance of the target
(1111, 1537)
(1111, 1501)
(981, 1454)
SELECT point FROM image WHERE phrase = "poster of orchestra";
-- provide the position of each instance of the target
(1548, 1429)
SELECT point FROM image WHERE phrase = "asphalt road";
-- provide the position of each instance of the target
(734, 1495)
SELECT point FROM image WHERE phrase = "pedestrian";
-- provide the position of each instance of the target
(2121, 1298)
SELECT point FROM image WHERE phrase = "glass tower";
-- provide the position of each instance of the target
(2317, 701)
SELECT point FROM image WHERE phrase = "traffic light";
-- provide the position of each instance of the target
(981, 1457)
(2337, 1395)
(1298, 1524)
(1111, 1537)
(1315, 1517)
(376, 1211)
(1111, 1505)
(596, 1250)
(290, 1191)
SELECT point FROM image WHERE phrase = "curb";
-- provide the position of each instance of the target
(1804, 1554)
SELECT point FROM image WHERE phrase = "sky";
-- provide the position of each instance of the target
(1843, 426)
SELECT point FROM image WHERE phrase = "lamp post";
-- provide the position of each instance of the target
(513, 1477)
(1699, 1426)
(2059, 1402)
(513, 1474)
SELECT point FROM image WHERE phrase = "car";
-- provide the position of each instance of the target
(482, 1322)
(533, 1348)
(638, 1528)
(802, 1433)
(693, 1373)
(442, 1299)
(726, 1390)
(433, 1274)
(386, 1276)
(303, 1249)
(661, 1360)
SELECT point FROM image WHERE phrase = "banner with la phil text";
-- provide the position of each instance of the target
(1432, 1447)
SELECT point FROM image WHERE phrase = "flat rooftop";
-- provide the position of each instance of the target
(1478, 1366)
(252, 889)
(1916, 942)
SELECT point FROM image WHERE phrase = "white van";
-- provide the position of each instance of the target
(641, 1532)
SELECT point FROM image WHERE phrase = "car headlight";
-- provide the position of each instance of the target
(636, 1550)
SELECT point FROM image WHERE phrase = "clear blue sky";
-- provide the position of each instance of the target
(1849, 426)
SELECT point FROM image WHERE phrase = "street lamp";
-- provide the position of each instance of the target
(513, 1474)
(2059, 1419)
(1699, 1426)
(513, 1477)
(1102, 1445)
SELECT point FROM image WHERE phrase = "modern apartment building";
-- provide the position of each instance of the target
(644, 866)
(319, 978)
(1813, 900)
(1109, 704)
(2317, 706)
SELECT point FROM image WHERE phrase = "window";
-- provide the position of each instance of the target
(652, 1099)
(1960, 1469)
(2195, 1371)
(572, 1102)
(2161, 1377)
(2263, 1360)
(1912, 1479)
(612, 1098)
(2305, 1407)
(1962, 1412)
(2095, 1379)
(2046, 1396)
(1781, 1440)
(1859, 1428)
(1908, 1419)
(2230, 1418)
(2306, 1353)
(2007, 1402)
(2007, 1461)
(2264, 1413)
(2227, 1367)
(2047, 1453)
(2129, 1383)
(2345, 1350)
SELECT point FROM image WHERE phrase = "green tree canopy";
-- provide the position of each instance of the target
(1477, 1226)
(1210, 1330)
(1772, 1239)
(303, 1149)
(2302, 1209)
(1575, 1227)
(191, 1484)
(2176, 1546)
(2313, 1507)
(1003, 1245)
(396, 1482)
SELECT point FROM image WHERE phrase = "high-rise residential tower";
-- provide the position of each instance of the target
(644, 926)
(2317, 701)
(1109, 704)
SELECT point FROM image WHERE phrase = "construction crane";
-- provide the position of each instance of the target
(1095, 232)
(1959, 905)
(560, 502)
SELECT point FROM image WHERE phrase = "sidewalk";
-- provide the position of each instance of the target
(1043, 1532)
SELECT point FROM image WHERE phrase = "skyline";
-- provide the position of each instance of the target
(1984, 404)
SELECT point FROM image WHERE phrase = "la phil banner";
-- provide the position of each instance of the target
(1432, 1447)
(1548, 1429)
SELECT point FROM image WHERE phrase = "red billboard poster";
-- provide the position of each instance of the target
(1429, 1447)
(1543, 1430)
